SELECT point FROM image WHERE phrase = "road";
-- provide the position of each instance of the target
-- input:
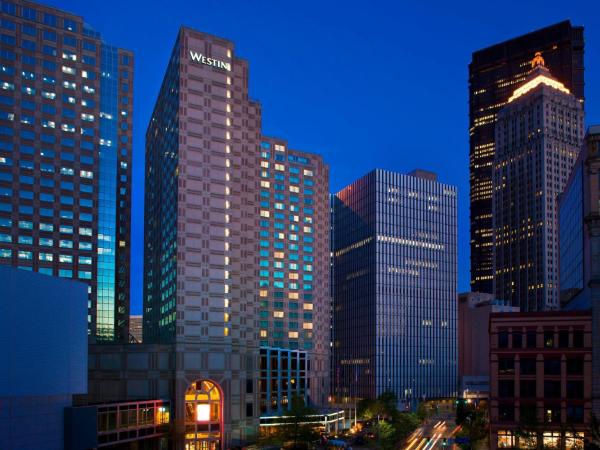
(431, 435)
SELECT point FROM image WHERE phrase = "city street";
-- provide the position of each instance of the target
(432, 435)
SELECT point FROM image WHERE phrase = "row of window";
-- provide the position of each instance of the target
(562, 339)
(552, 366)
(552, 389)
(34, 15)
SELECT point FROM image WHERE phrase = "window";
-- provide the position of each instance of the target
(578, 338)
(528, 389)
(574, 413)
(506, 388)
(50, 19)
(528, 366)
(575, 389)
(506, 413)
(563, 338)
(549, 338)
(575, 366)
(29, 13)
(70, 25)
(552, 366)
(531, 338)
(551, 414)
(506, 366)
(552, 389)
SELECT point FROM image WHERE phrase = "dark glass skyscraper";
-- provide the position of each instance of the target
(395, 306)
(65, 156)
(494, 73)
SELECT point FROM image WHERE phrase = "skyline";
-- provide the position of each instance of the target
(296, 68)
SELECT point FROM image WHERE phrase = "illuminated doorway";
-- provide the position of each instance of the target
(203, 416)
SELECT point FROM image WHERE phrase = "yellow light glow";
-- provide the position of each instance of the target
(540, 79)
(202, 412)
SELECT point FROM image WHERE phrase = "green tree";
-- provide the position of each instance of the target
(386, 435)
(474, 427)
(424, 411)
(297, 429)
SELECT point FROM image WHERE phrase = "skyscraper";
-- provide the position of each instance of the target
(579, 239)
(236, 250)
(65, 156)
(200, 234)
(538, 138)
(293, 272)
(395, 272)
(494, 73)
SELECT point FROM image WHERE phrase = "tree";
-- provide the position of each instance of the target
(386, 435)
(297, 428)
(424, 411)
(474, 427)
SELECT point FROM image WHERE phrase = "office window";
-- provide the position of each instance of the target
(578, 338)
(531, 337)
(552, 366)
(528, 366)
(506, 366)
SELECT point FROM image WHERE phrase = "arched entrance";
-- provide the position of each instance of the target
(203, 416)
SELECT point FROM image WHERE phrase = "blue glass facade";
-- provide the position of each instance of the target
(571, 227)
(395, 273)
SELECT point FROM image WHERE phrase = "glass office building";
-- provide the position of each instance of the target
(395, 275)
(570, 234)
(65, 156)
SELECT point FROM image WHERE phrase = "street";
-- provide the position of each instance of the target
(432, 435)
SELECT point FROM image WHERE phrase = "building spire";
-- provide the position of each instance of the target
(539, 74)
(538, 61)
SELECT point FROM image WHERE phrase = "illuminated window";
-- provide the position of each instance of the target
(506, 439)
(203, 415)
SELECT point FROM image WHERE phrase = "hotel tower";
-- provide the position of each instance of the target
(236, 250)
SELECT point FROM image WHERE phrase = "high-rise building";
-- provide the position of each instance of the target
(395, 264)
(236, 251)
(65, 156)
(538, 138)
(579, 245)
(293, 271)
(494, 73)
(201, 215)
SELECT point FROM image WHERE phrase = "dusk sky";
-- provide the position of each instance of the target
(365, 84)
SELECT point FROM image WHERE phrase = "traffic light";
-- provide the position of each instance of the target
(444, 442)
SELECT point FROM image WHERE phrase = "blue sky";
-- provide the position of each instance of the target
(366, 84)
